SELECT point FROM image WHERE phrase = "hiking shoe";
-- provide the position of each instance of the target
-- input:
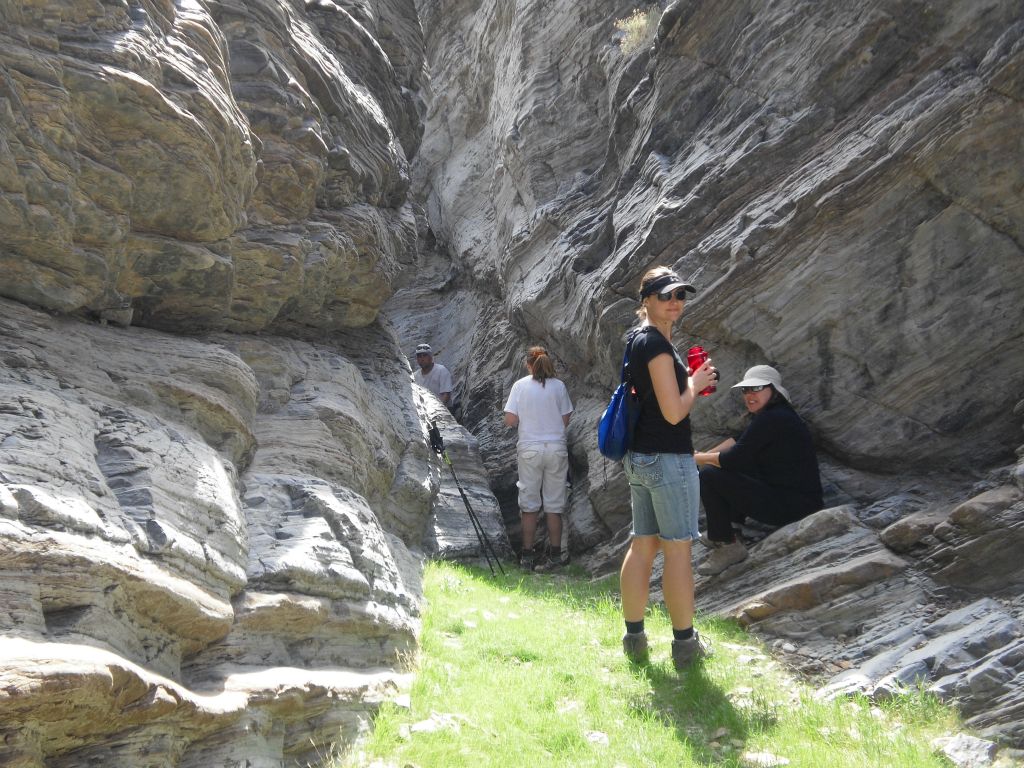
(527, 559)
(634, 645)
(723, 557)
(547, 564)
(685, 652)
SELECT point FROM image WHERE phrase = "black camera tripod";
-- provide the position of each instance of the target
(437, 443)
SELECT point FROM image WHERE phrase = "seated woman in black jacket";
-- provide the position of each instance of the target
(769, 473)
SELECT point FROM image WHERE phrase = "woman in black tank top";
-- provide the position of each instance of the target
(663, 480)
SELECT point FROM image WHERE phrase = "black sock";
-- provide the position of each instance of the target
(555, 552)
(682, 634)
(635, 627)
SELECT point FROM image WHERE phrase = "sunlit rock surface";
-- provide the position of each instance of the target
(208, 544)
(203, 166)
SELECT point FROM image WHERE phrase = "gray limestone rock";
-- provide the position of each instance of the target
(466, 522)
(978, 546)
(966, 751)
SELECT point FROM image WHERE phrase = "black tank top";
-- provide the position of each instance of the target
(653, 434)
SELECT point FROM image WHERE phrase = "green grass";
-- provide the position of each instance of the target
(528, 671)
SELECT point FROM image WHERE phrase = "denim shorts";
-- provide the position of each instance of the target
(665, 491)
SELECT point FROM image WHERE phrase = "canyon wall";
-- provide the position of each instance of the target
(215, 487)
(838, 182)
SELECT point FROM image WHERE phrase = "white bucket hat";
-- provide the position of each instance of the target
(761, 375)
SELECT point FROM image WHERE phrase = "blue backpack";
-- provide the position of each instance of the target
(615, 430)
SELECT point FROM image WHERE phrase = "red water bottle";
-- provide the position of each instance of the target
(695, 358)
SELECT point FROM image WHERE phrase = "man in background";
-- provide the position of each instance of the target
(433, 376)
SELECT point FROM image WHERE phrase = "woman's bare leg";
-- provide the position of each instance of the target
(635, 577)
(677, 582)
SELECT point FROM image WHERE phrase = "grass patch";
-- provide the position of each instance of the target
(638, 29)
(528, 670)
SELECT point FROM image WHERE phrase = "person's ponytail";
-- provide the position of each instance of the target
(540, 363)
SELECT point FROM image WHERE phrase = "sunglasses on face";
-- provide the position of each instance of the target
(752, 390)
(679, 294)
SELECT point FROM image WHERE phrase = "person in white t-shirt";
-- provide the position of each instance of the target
(433, 376)
(539, 406)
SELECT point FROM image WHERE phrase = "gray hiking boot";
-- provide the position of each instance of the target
(634, 645)
(723, 557)
(685, 652)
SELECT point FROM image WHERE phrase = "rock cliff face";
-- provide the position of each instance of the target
(829, 177)
(205, 166)
(225, 224)
(209, 539)
(201, 542)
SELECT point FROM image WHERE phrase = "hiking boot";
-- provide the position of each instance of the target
(634, 645)
(528, 559)
(723, 557)
(685, 652)
(551, 562)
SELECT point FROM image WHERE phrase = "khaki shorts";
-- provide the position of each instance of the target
(543, 468)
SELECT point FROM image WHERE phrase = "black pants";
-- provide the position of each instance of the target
(729, 497)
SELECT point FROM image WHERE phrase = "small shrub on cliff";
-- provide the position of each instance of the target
(638, 29)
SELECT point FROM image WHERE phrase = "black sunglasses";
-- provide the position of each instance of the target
(752, 390)
(678, 294)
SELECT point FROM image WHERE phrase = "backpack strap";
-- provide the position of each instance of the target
(630, 338)
(625, 358)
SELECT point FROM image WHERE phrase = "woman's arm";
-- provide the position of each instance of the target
(704, 458)
(707, 458)
(511, 419)
(675, 405)
(759, 436)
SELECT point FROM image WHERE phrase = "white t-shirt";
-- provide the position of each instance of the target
(540, 409)
(438, 380)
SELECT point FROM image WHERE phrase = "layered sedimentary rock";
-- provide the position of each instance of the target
(209, 544)
(931, 599)
(204, 166)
